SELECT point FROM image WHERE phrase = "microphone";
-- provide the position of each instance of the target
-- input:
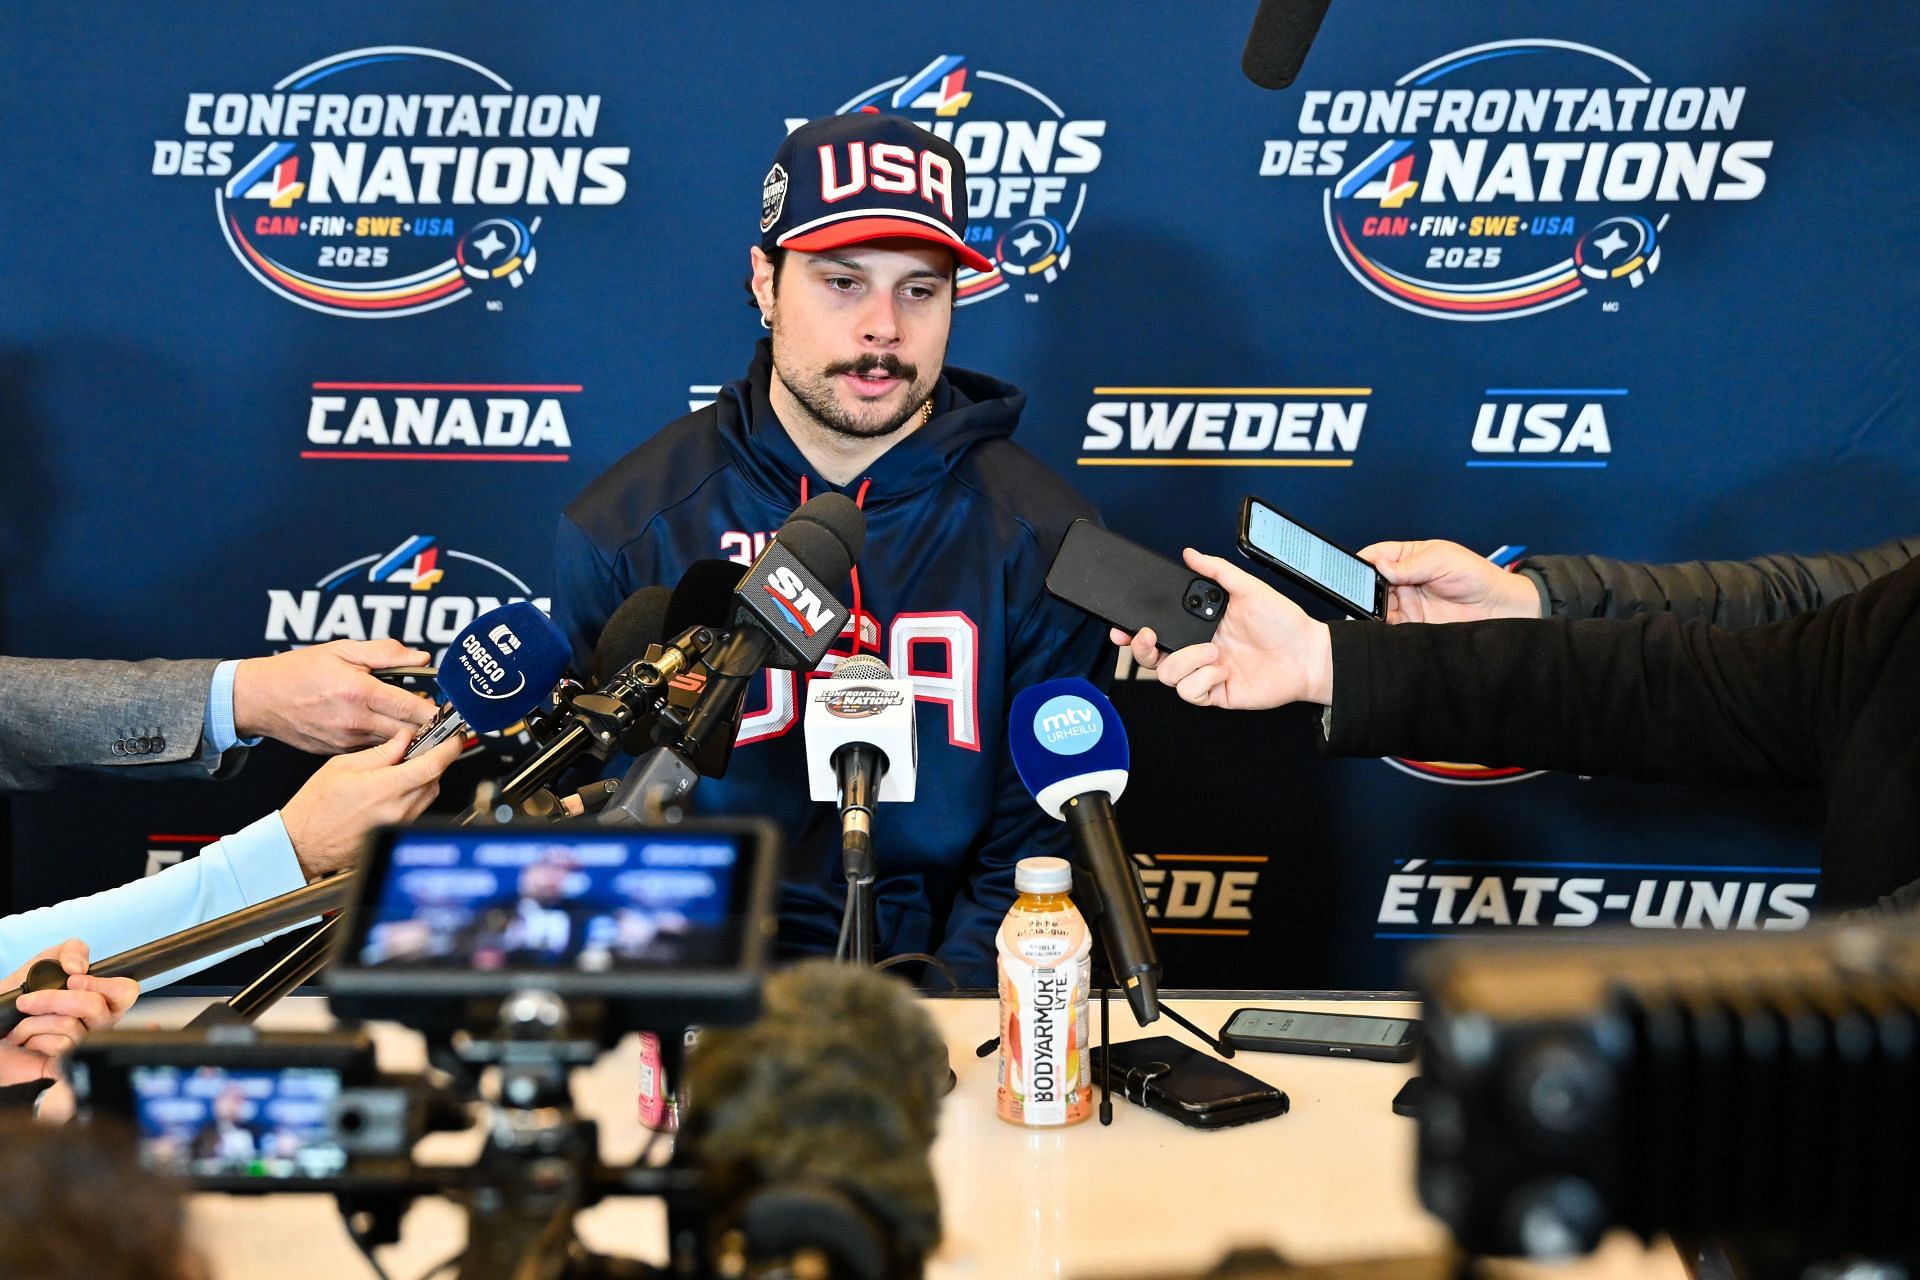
(1283, 31)
(783, 614)
(1071, 752)
(860, 749)
(812, 1128)
(499, 669)
(598, 722)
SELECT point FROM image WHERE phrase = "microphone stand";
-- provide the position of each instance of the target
(858, 862)
(210, 938)
(1103, 979)
(299, 965)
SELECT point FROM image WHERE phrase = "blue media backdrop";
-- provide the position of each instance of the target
(315, 318)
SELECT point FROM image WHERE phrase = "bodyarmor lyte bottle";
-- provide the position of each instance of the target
(1046, 966)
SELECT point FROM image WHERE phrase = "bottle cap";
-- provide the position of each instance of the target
(1043, 875)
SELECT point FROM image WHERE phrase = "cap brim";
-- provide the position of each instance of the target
(860, 230)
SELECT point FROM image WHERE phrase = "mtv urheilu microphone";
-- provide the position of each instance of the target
(1071, 751)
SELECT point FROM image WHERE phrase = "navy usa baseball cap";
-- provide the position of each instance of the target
(844, 180)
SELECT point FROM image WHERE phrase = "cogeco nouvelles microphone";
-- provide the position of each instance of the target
(499, 669)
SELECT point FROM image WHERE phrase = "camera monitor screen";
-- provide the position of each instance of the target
(228, 1122)
(586, 900)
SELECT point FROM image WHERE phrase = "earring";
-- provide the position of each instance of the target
(766, 323)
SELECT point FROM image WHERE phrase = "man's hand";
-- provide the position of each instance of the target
(329, 817)
(58, 1019)
(1435, 581)
(1266, 652)
(322, 699)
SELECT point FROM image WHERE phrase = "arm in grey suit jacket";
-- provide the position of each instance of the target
(62, 719)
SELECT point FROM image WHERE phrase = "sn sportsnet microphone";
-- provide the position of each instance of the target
(499, 668)
(811, 1129)
(1071, 751)
(784, 614)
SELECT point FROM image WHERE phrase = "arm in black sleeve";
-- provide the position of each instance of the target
(1650, 697)
(1727, 593)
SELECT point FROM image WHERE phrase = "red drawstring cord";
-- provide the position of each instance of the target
(860, 501)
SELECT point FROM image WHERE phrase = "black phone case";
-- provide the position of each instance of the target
(1177, 1080)
(1402, 1052)
(1130, 586)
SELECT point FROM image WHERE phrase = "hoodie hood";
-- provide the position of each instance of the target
(968, 408)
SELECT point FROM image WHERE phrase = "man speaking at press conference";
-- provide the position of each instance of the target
(862, 231)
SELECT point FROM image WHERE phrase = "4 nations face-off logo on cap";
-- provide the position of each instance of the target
(1515, 177)
(390, 181)
(1028, 167)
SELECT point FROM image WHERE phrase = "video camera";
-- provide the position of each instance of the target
(521, 953)
(1757, 1093)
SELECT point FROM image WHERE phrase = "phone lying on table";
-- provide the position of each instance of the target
(1333, 573)
(1334, 1035)
(1131, 587)
(1195, 1088)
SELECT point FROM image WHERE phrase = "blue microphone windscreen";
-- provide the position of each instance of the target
(503, 665)
(1067, 740)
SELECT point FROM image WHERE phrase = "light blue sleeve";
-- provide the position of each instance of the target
(247, 867)
(218, 726)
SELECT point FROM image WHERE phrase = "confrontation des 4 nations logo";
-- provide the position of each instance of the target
(418, 592)
(390, 181)
(1511, 178)
(1027, 166)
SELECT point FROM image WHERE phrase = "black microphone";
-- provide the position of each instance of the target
(1282, 33)
(812, 1127)
(784, 615)
(596, 722)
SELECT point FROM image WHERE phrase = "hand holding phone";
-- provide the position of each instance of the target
(1123, 583)
(1331, 572)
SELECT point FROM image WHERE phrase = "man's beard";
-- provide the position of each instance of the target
(816, 393)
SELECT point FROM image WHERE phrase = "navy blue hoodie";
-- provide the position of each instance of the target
(961, 526)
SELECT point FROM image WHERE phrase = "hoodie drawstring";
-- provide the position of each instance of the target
(859, 501)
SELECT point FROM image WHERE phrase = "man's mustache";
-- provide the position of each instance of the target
(873, 366)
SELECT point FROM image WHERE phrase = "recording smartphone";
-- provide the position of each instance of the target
(1195, 1088)
(1336, 1035)
(1333, 573)
(1131, 587)
(445, 724)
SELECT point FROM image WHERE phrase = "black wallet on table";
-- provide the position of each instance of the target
(1175, 1079)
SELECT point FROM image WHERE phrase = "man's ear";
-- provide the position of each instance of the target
(761, 280)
